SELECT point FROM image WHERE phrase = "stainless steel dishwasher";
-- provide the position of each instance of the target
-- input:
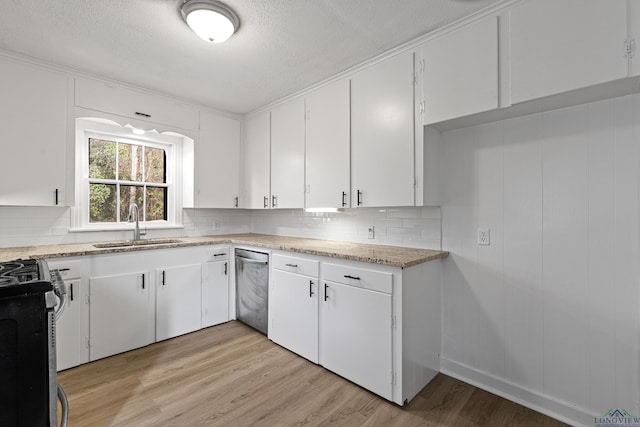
(252, 288)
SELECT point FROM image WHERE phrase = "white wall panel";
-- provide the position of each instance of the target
(459, 220)
(522, 273)
(565, 253)
(549, 313)
(601, 263)
(627, 255)
(488, 323)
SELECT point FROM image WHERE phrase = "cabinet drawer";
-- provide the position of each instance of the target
(218, 254)
(109, 98)
(295, 265)
(69, 268)
(361, 277)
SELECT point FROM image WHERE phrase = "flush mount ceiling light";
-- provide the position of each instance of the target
(212, 20)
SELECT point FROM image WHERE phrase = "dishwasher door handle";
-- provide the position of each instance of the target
(251, 261)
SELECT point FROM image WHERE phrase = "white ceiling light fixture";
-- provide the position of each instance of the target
(211, 20)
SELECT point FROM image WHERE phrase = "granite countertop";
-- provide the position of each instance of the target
(377, 254)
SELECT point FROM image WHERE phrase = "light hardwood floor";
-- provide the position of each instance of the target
(230, 375)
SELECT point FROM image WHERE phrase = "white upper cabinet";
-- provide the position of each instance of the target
(328, 147)
(217, 162)
(33, 134)
(110, 98)
(256, 167)
(558, 46)
(382, 134)
(460, 72)
(287, 155)
(633, 10)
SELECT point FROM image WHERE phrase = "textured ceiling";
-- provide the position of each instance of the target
(282, 46)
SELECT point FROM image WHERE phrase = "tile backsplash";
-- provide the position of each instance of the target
(411, 226)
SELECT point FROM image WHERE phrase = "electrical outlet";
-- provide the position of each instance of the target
(484, 237)
(372, 232)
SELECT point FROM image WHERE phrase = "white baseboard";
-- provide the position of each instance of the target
(561, 411)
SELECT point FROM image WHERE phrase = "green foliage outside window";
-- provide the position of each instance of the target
(121, 174)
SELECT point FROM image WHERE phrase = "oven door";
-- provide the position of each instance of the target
(24, 357)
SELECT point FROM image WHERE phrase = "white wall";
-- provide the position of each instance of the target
(25, 226)
(548, 314)
(413, 227)
(409, 226)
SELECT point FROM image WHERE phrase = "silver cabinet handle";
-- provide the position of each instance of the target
(274, 201)
(235, 202)
(266, 202)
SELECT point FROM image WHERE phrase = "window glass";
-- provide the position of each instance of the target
(102, 203)
(129, 162)
(131, 194)
(121, 174)
(102, 159)
(156, 204)
(155, 160)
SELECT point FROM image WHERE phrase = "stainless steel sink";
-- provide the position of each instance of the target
(130, 243)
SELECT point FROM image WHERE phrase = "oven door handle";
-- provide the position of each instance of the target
(64, 404)
(60, 289)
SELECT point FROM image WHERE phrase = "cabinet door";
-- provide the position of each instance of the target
(110, 98)
(356, 336)
(558, 46)
(120, 315)
(178, 301)
(328, 147)
(287, 155)
(71, 348)
(215, 293)
(293, 313)
(382, 134)
(33, 130)
(461, 72)
(256, 162)
(217, 162)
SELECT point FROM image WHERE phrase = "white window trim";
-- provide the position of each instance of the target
(110, 130)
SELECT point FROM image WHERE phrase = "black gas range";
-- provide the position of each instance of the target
(30, 298)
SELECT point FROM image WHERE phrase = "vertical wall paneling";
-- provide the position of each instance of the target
(458, 223)
(523, 251)
(549, 313)
(565, 212)
(488, 292)
(627, 213)
(601, 258)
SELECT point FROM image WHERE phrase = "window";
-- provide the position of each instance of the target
(123, 173)
(117, 166)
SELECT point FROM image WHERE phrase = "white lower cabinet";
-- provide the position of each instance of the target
(72, 328)
(70, 343)
(119, 302)
(215, 292)
(356, 336)
(119, 314)
(293, 305)
(178, 301)
(375, 325)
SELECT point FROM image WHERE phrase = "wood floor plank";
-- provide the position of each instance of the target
(231, 375)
